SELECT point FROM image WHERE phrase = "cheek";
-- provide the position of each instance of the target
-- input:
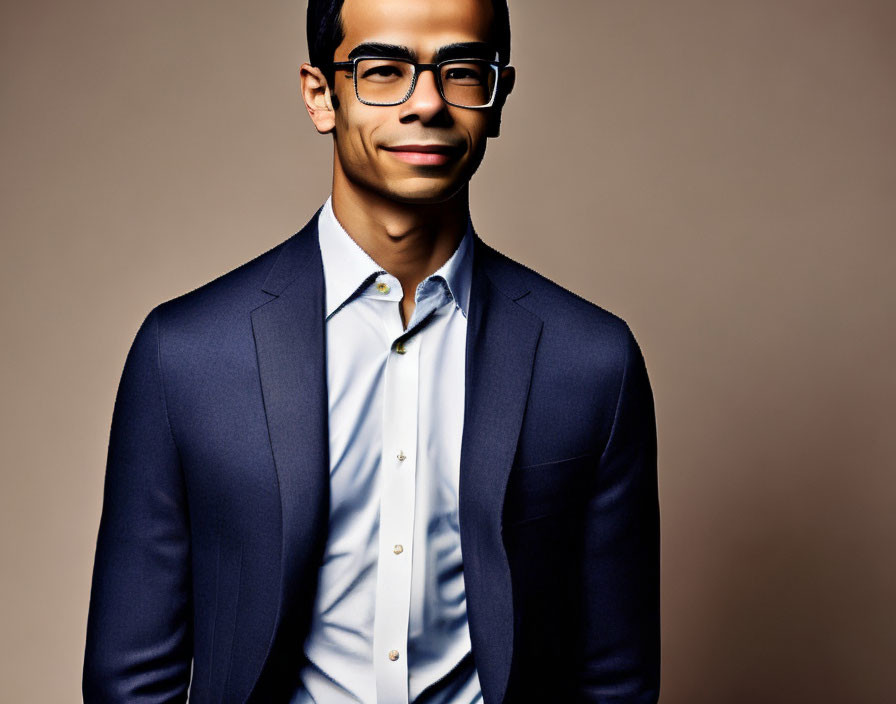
(478, 125)
(356, 139)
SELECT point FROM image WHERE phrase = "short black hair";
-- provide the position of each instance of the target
(325, 32)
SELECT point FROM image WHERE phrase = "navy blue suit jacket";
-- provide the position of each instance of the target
(216, 499)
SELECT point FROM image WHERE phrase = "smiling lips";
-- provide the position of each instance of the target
(426, 154)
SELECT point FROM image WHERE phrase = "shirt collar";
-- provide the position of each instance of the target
(349, 270)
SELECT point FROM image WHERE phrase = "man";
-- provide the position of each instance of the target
(316, 495)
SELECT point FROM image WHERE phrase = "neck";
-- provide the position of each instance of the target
(408, 240)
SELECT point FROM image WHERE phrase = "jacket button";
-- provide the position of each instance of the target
(393, 655)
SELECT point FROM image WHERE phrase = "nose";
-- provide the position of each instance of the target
(425, 101)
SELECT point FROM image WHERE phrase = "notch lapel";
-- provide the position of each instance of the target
(291, 351)
(502, 337)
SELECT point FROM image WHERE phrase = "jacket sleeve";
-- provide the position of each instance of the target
(621, 625)
(139, 624)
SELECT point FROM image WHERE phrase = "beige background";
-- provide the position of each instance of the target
(719, 174)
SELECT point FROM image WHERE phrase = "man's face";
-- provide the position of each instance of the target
(366, 135)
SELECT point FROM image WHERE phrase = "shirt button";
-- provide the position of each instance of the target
(382, 287)
(401, 456)
(400, 348)
(398, 549)
(393, 655)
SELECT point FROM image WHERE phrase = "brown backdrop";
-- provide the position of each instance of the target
(720, 174)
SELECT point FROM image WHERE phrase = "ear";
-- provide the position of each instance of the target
(318, 101)
(505, 85)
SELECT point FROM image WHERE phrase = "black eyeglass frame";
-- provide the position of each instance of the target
(435, 68)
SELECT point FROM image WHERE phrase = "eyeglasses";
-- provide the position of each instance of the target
(464, 83)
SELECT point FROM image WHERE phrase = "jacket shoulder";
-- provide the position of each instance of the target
(585, 355)
(247, 286)
(230, 287)
(209, 320)
(562, 309)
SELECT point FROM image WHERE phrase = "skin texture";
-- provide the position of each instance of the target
(408, 217)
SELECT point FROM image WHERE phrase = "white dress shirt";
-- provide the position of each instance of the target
(390, 618)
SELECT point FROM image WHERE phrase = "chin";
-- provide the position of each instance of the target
(423, 194)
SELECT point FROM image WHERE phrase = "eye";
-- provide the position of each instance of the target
(382, 71)
(468, 75)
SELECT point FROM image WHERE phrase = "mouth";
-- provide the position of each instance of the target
(425, 154)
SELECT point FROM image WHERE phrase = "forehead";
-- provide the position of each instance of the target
(423, 25)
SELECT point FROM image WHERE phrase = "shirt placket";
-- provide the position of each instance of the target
(398, 482)
(397, 499)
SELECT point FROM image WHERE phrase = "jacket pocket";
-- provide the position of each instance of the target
(539, 490)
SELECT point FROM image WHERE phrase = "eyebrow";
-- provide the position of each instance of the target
(457, 50)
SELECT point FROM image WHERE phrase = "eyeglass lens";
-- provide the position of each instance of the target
(387, 81)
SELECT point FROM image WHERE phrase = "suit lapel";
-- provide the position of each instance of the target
(291, 351)
(502, 337)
